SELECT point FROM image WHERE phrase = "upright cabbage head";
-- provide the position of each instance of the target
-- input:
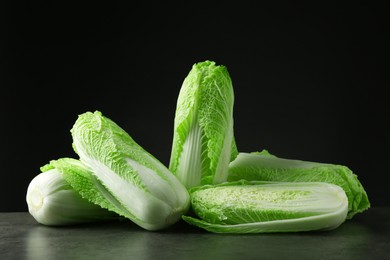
(203, 142)
(124, 177)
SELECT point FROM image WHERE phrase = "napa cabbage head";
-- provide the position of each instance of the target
(52, 200)
(203, 141)
(263, 166)
(125, 178)
(263, 207)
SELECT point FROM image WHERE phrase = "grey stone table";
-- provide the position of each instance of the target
(366, 236)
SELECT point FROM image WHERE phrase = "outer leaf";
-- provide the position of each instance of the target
(259, 207)
(88, 186)
(203, 142)
(262, 166)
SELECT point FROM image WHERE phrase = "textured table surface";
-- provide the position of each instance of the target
(366, 236)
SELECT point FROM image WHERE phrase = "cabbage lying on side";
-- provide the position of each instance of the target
(261, 207)
(125, 178)
(203, 142)
(52, 201)
(262, 166)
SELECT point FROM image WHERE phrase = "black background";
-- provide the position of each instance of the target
(309, 80)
